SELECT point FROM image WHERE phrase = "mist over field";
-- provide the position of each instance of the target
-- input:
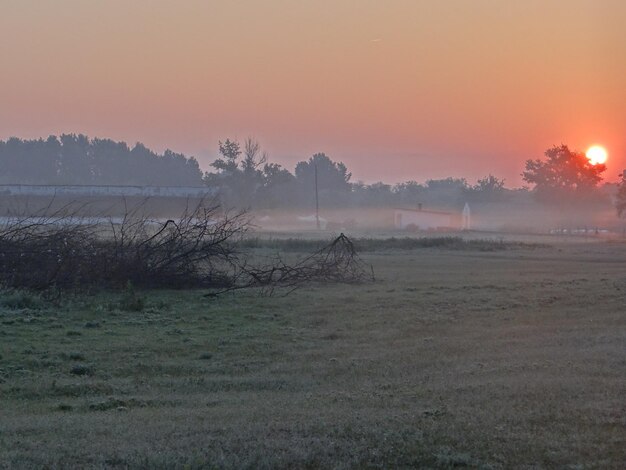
(313, 234)
(74, 169)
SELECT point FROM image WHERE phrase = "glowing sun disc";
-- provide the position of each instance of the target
(597, 155)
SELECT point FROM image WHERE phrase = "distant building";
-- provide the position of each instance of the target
(115, 191)
(421, 219)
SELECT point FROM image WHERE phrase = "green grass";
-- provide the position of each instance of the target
(453, 358)
(20, 300)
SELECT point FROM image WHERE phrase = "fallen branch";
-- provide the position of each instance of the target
(337, 262)
(201, 248)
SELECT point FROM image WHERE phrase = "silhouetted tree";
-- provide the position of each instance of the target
(333, 181)
(275, 175)
(227, 164)
(253, 158)
(278, 187)
(331, 175)
(489, 184)
(251, 170)
(183, 169)
(563, 174)
(239, 179)
(488, 188)
(75, 159)
(409, 193)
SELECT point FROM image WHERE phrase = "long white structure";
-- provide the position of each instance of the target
(119, 191)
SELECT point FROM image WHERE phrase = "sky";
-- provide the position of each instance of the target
(397, 90)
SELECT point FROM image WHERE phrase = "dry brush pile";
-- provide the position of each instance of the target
(337, 262)
(201, 248)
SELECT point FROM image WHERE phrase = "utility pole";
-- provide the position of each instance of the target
(317, 201)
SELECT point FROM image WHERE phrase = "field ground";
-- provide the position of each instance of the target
(453, 357)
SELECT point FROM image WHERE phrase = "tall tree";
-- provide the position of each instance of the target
(253, 158)
(330, 175)
(239, 172)
(230, 151)
(251, 170)
(563, 174)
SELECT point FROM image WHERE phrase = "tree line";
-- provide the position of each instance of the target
(247, 179)
(77, 159)
(242, 172)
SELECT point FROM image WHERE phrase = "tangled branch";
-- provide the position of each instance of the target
(201, 248)
(337, 262)
(64, 250)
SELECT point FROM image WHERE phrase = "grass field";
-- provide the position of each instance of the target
(455, 356)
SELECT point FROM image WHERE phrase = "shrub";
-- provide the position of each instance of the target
(63, 250)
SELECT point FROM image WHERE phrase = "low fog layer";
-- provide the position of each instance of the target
(319, 194)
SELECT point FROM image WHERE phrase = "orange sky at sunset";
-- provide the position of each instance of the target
(397, 90)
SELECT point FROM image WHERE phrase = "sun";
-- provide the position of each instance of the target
(597, 155)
